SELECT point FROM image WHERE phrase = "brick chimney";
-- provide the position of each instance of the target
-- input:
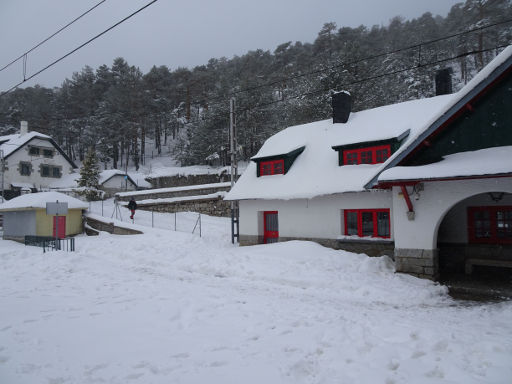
(23, 128)
(341, 107)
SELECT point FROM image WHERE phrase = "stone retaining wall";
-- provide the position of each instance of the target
(208, 206)
(109, 227)
(170, 194)
(182, 180)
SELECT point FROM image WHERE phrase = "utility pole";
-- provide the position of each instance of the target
(234, 171)
(2, 167)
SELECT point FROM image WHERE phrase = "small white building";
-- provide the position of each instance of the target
(113, 180)
(32, 161)
(428, 182)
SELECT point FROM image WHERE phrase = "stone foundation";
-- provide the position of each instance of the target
(422, 263)
(371, 248)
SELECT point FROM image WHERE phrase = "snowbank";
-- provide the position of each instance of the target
(170, 307)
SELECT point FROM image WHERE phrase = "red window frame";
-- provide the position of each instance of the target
(493, 237)
(272, 167)
(360, 155)
(374, 213)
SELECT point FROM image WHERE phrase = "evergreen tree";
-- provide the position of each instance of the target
(89, 176)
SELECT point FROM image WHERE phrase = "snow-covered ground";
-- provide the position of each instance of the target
(172, 307)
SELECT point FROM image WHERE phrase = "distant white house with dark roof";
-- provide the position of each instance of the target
(33, 161)
(428, 182)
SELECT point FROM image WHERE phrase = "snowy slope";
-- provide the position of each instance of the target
(171, 307)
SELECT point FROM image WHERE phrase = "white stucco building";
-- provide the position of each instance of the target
(32, 161)
(428, 182)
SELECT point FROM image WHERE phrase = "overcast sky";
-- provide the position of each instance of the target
(182, 33)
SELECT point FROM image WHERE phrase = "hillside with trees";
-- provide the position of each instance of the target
(118, 109)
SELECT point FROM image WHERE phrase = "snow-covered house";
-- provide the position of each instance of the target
(33, 161)
(428, 182)
(113, 180)
(26, 216)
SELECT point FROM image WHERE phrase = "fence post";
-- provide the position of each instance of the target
(101, 207)
(152, 220)
(199, 225)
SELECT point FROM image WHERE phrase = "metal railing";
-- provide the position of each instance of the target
(51, 243)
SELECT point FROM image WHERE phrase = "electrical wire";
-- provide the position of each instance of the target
(372, 78)
(49, 37)
(79, 47)
(372, 57)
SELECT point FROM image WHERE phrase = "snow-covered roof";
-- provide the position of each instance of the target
(66, 181)
(107, 174)
(460, 99)
(39, 200)
(22, 185)
(489, 161)
(12, 142)
(316, 171)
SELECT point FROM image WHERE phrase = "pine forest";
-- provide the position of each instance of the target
(122, 113)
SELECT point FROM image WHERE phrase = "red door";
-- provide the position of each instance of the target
(271, 228)
(62, 226)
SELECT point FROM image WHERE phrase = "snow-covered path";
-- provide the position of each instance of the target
(170, 307)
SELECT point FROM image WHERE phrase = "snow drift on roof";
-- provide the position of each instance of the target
(15, 141)
(490, 161)
(39, 200)
(316, 171)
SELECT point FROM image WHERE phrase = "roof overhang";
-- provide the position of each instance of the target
(454, 112)
(292, 153)
(385, 184)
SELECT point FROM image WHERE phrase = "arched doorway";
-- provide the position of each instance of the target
(475, 243)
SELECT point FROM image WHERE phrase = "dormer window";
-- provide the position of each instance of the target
(278, 164)
(368, 155)
(369, 152)
(275, 167)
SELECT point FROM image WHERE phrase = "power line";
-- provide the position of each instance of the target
(372, 57)
(79, 47)
(24, 56)
(371, 78)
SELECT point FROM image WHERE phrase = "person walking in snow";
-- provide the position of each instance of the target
(132, 206)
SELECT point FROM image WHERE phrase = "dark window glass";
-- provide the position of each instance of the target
(351, 158)
(266, 169)
(482, 224)
(383, 224)
(278, 167)
(366, 157)
(367, 223)
(351, 223)
(25, 169)
(45, 171)
(48, 153)
(34, 151)
(504, 224)
(382, 155)
(55, 172)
